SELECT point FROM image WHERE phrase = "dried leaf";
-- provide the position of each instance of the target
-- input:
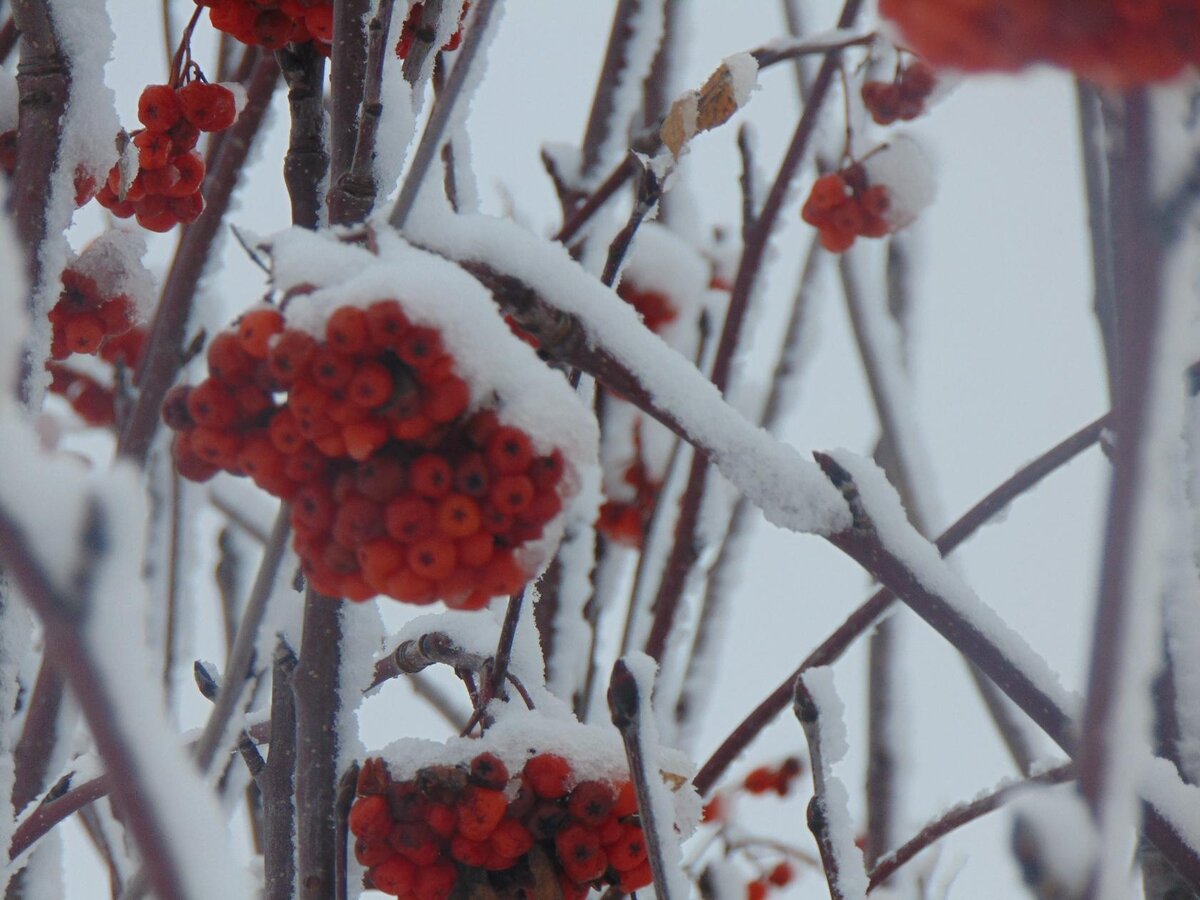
(717, 100)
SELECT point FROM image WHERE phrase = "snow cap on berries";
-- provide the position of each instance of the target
(903, 168)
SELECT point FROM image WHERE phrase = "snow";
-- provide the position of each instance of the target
(743, 72)
(12, 303)
(831, 716)
(114, 261)
(791, 490)
(397, 121)
(644, 669)
(902, 166)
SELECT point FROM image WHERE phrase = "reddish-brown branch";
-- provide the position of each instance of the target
(45, 817)
(316, 687)
(39, 735)
(307, 159)
(354, 192)
(165, 346)
(277, 782)
(44, 86)
(955, 818)
(860, 620)
(346, 79)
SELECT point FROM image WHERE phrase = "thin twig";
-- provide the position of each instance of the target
(508, 633)
(831, 649)
(648, 194)
(955, 818)
(38, 823)
(629, 711)
(165, 346)
(832, 861)
(435, 129)
(8, 38)
(277, 781)
(39, 735)
(345, 798)
(237, 667)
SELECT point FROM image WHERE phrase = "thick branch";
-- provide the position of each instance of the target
(316, 682)
(307, 162)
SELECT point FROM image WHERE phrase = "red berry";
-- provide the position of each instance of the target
(409, 519)
(255, 330)
(509, 451)
(431, 476)
(395, 876)
(488, 770)
(159, 107)
(370, 819)
(629, 850)
(547, 774)
(591, 802)
(479, 812)
(210, 107)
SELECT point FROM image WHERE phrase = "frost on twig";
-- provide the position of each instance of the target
(629, 690)
(821, 713)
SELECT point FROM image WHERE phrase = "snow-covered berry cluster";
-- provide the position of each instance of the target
(399, 484)
(475, 824)
(274, 23)
(411, 28)
(1112, 42)
(163, 190)
(87, 319)
(903, 98)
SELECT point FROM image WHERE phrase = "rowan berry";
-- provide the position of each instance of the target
(470, 852)
(395, 876)
(154, 150)
(431, 476)
(362, 439)
(580, 853)
(312, 508)
(629, 850)
(479, 812)
(433, 558)
(638, 877)
(547, 774)
(756, 890)
(210, 107)
(476, 549)
(509, 451)
(255, 330)
(626, 803)
(370, 819)
(591, 802)
(159, 107)
(489, 770)
(435, 882)
(370, 855)
(782, 874)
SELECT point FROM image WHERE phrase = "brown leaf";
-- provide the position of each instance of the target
(717, 100)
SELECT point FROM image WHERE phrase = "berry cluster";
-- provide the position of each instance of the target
(843, 206)
(166, 189)
(1112, 42)
(903, 98)
(86, 319)
(397, 487)
(458, 826)
(759, 781)
(274, 23)
(94, 402)
(655, 308)
(780, 876)
(412, 25)
(625, 521)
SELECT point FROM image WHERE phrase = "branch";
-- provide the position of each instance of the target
(8, 38)
(165, 346)
(39, 735)
(277, 782)
(346, 79)
(307, 161)
(44, 87)
(353, 194)
(862, 618)
(956, 817)
(828, 813)
(317, 708)
(237, 667)
(39, 823)
(435, 129)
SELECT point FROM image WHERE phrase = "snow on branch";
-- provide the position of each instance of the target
(582, 322)
(821, 715)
